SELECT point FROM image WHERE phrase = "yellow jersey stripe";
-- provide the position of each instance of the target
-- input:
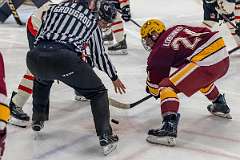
(206, 89)
(167, 93)
(4, 112)
(209, 50)
(183, 72)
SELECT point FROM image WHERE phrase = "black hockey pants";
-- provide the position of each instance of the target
(52, 61)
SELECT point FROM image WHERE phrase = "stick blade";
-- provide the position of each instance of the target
(118, 104)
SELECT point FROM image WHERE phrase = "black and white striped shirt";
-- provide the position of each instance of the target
(71, 23)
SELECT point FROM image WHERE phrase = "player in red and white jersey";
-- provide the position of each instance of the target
(19, 98)
(4, 109)
(116, 29)
(213, 11)
(197, 53)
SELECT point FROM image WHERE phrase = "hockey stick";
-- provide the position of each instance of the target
(233, 50)
(121, 105)
(233, 25)
(133, 21)
(14, 12)
(226, 18)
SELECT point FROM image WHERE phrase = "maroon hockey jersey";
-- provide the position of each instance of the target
(173, 49)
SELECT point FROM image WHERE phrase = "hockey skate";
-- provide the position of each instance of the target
(3, 134)
(167, 134)
(119, 48)
(37, 125)
(220, 108)
(108, 39)
(108, 143)
(18, 117)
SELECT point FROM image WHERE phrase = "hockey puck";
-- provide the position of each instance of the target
(115, 121)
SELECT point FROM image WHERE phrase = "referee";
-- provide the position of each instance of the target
(66, 30)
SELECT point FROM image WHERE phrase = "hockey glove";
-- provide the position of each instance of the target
(126, 15)
(153, 91)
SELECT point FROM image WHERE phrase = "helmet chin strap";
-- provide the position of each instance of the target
(154, 38)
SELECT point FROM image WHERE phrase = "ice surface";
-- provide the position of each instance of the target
(70, 133)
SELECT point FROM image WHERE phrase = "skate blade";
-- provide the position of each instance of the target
(109, 148)
(222, 115)
(19, 123)
(118, 52)
(167, 141)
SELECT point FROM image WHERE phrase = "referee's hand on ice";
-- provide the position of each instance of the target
(119, 86)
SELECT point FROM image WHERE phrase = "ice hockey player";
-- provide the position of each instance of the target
(19, 98)
(213, 9)
(197, 53)
(4, 109)
(65, 31)
(116, 29)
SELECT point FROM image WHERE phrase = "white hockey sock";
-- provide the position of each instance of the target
(24, 90)
(117, 28)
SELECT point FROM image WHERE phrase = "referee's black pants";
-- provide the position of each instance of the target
(51, 61)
